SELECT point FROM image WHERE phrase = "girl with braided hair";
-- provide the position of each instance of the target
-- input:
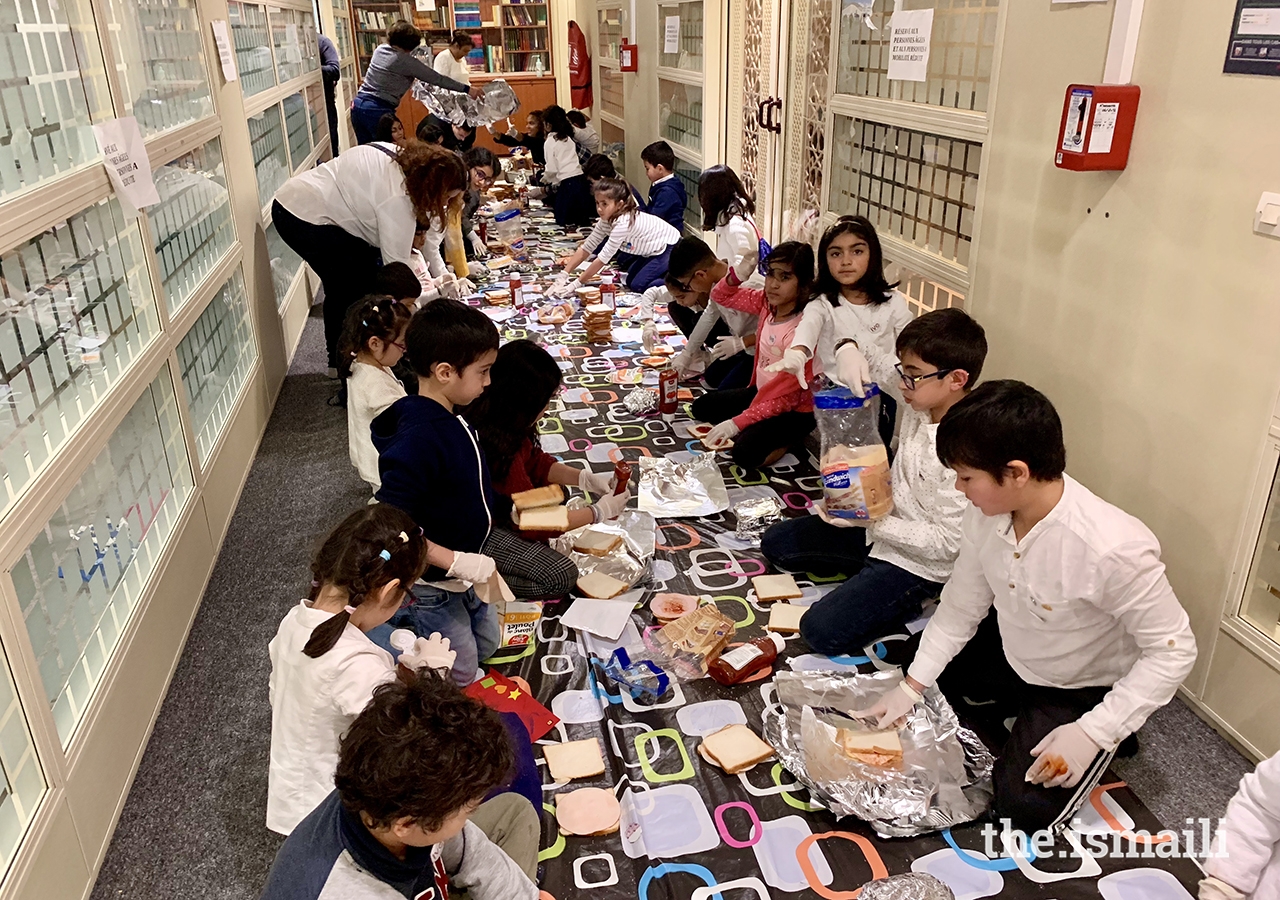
(372, 343)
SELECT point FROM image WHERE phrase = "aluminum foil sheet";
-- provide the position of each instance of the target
(945, 775)
(629, 561)
(641, 401)
(908, 886)
(755, 515)
(498, 102)
(670, 490)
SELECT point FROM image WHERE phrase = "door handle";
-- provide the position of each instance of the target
(775, 105)
(760, 113)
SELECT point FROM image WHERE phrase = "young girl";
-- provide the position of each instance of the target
(532, 138)
(563, 174)
(641, 242)
(523, 380)
(324, 668)
(372, 343)
(774, 413)
(859, 315)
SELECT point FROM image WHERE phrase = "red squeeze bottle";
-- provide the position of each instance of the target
(732, 666)
(621, 472)
(668, 389)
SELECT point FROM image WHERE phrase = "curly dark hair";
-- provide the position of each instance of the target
(430, 174)
(421, 750)
(522, 382)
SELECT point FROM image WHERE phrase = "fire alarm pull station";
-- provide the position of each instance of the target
(627, 59)
(1097, 126)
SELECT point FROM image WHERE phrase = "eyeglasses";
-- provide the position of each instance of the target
(400, 345)
(910, 381)
(679, 284)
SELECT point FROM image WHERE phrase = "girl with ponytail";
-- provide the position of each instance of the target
(324, 668)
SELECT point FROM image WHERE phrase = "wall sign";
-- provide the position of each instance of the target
(1254, 47)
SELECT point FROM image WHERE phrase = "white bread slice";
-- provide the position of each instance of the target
(784, 618)
(545, 518)
(574, 759)
(597, 543)
(601, 586)
(551, 495)
(874, 748)
(735, 748)
(775, 587)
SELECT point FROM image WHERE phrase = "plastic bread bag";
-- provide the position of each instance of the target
(943, 777)
(628, 561)
(686, 646)
(498, 102)
(642, 677)
(855, 464)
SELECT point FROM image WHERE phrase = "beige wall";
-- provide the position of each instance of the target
(1152, 322)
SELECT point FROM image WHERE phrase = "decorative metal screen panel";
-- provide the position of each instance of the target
(611, 91)
(270, 161)
(753, 92)
(960, 57)
(808, 91)
(298, 126)
(915, 186)
(252, 41)
(689, 54)
(923, 294)
(680, 113)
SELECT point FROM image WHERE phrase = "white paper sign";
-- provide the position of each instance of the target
(426, 5)
(671, 35)
(1103, 128)
(910, 31)
(222, 38)
(125, 156)
(1264, 21)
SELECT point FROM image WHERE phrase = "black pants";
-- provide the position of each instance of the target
(984, 690)
(573, 203)
(731, 372)
(345, 263)
(754, 444)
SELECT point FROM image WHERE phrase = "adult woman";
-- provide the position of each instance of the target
(360, 210)
(391, 72)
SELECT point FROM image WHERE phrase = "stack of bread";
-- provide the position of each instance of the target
(541, 509)
(598, 320)
(498, 296)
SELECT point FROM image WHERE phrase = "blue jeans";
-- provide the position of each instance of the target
(870, 605)
(366, 112)
(644, 272)
(470, 624)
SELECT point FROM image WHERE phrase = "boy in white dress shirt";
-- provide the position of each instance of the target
(1094, 638)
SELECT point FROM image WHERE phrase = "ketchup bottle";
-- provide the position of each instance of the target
(515, 285)
(732, 666)
(608, 291)
(668, 392)
(621, 472)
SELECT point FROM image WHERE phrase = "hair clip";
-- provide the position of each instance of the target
(404, 538)
(386, 554)
(364, 322)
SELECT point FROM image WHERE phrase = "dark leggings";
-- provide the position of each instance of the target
(756, 442)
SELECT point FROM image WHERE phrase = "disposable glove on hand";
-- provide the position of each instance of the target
(728, 346)
(429, 653)
(477, 245)
(852, 370)
(448, 286)
(793, 362)
(892, 706)
(561, 291)
(473, 568)
(1062, 757)
(598, 483)
(610, 506)
(649, 337)
(466, 286)
(1216, 889)
(722, 434)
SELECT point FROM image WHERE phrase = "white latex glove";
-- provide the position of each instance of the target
(649, 336)
(820, 507)
(852, 370)
(892, 706)
(722, 434)
(467, 286)
(561, 291)
(449, 286)
(728, 346)
(477, 245)
(430, 653)
(1216, 889)
(610, 506)
(1062, 757)
(793, 361)
(473, 568)
(598, 483)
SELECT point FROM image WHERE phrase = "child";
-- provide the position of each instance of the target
(641, 242)
(667, 197)
(911, 550)
(406, 819)
(691, 274)
(372, 343)
(765, 419)
(523, 380)
(402, 284)
(429, 132)
(532, 138)
(323, 667)
(432, 468)
(1094, 638)
(571, 195)
(482, 166)
(584, 134)
(599, 166)
(1245, 862)
(727, 209)
(390, 130)
(862, 314)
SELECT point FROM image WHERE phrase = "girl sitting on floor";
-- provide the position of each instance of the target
(642, 243)
(372, 343)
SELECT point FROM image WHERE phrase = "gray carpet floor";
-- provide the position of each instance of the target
(193, 822)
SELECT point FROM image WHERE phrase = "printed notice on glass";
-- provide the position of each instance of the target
(125, 156)
(909, 34)
(671, 35)
(222, 38)
(1254, 47)
(1103, 128)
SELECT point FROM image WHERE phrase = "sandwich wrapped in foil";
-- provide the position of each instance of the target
(629, 561)
(671, 490)
(943, 779)
(907, 886)
(755, 515)
(498, 102)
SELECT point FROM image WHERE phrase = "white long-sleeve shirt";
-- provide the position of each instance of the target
(875, 327)
(639, 234)
(1082, 601)
(922, 534)
(562, 159)
(363, 193)
(738, 244)
(313, 701)
(370, 390)
(449, 67)
(1249, 835)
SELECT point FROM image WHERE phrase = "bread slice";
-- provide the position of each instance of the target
(551, 495)
(872, 748)
(545, 518)
(784, 618)
(601, 586)
(597, 543)
(734, 748)
(775, 587)
(574, 759)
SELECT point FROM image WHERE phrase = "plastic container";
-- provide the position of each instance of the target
(402, 640)
(740, 663)
(510, 228)
(854, 461)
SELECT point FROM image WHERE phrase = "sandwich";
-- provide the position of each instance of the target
(882, 749)
(601, 586)
(596, 543)
(734, 748)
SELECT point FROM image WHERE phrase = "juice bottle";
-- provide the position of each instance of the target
(733, 666)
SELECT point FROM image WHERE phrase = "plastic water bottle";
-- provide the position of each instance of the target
(538, 65)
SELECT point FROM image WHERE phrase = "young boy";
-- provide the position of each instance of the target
(904, 558)
(667, 197)
(1094, 638)
(406, 819)
(692, 272)
(433, 469)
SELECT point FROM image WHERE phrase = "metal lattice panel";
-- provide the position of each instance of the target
(923, 294)
(752, 91)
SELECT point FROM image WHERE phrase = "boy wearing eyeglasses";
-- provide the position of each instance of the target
(898, 561)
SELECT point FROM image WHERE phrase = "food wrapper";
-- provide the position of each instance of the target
(907, 886)
(686, 646)
(629, 561)
(945, 775)
(755, 515)
(517, 620)
(498, 102)
(641, 401)
(671, 490)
